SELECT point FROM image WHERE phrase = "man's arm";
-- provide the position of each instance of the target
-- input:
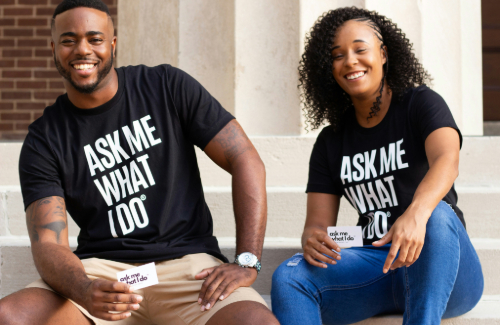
(232, 150)
(63, 271)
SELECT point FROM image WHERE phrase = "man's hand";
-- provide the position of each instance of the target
(407, 236)
(317, 246)
(103, 297)
(221, 281)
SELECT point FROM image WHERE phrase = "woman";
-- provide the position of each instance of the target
(392, 149)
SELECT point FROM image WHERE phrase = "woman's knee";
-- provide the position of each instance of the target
(288, 275)
(443, 223)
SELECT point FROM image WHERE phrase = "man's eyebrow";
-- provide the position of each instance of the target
(67, 34)
(93, 33)
(89, 33)
(355, 41)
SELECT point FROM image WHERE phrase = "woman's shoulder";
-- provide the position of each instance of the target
(329, 134)
(421, 96)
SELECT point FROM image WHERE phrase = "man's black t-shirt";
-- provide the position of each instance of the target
(378, 169)
(127, 169)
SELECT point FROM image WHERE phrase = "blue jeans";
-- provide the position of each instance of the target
(446, 281)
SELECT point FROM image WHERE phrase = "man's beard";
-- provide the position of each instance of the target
(87, 89)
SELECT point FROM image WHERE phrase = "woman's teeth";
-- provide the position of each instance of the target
(83, 66)
(356, 75)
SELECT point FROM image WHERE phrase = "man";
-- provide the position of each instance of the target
(117, 153)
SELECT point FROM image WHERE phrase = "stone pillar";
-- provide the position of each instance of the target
(206, 46)
(148, 32)
(267, 46)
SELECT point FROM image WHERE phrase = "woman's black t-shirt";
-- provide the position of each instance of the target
(127, 169)
(378, 169)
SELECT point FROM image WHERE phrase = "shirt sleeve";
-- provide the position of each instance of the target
(321, 179)
(201, 115)
(38, 170)
(431, 113)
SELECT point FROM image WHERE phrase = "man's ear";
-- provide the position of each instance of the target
(113, 46)
(53, 46)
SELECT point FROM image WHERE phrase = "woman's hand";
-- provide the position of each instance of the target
(319, 244)
(407, 236)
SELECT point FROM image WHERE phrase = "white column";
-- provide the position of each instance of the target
(206, 46)
(441, 51)
(148, 32)
(472, 67)
(267, 56)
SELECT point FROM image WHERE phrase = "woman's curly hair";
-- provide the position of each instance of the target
(322, 96)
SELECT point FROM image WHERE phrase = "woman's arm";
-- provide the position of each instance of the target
(322, 211)
(442, 148)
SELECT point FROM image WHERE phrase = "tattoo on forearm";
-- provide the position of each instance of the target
(233, 140)
(40, 216)
(57, 227)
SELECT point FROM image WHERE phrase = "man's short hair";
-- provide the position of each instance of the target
(71, 4)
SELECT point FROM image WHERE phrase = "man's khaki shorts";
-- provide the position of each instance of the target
(174, 300)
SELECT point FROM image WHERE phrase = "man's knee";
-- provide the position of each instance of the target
(39, 306)
(16, 307)
(244, 313)
(7, 312)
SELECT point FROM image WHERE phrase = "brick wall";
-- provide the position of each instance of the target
(29, 80)
(491, 59)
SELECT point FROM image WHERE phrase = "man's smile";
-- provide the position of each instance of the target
(84, 68)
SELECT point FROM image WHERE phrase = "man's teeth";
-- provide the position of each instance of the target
(83, 66)
(356, 75)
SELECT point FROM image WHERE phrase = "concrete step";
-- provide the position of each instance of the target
(287, 161)
(17, 268)
(286, 211)
(486, 312)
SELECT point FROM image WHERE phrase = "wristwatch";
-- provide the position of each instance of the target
(248, 260)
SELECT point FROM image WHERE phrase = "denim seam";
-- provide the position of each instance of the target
(407, 296)
(394, 290)
(348, 287)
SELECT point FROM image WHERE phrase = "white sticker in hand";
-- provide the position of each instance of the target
(139, 277)
(346, 236)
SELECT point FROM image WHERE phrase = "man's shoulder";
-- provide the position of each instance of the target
(54, 110)
(141, 69)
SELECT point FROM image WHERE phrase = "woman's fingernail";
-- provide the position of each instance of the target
(202, 308)
(208, 306)
(221, 297)
(199, 301)
(128, 314)
(338, 257)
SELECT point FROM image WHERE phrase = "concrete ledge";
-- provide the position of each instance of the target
(18, 270)
(286, 211)
(287, 161)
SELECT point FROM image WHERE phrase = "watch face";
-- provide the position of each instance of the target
(245, 259)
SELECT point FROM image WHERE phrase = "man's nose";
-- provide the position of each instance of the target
(83, 48)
